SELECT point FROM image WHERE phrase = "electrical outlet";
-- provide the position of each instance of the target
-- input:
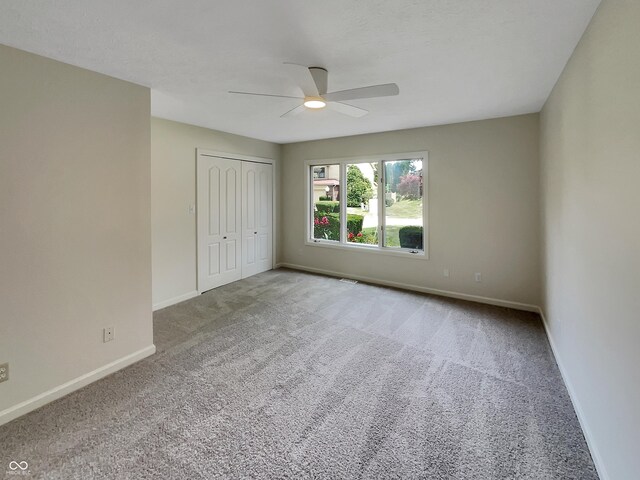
(478, 277)
(446, 272)
(107, 335)
(4, 372)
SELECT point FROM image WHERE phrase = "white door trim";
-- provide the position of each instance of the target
(233, 156)
(245, 158)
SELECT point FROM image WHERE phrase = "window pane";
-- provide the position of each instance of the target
(362, 203)
(403, 189)
(325, 197)
(319, 172)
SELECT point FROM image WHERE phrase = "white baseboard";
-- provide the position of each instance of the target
(60, 391)
(417, 288)
(595, 454)
(174, 300)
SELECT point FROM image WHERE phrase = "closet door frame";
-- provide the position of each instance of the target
(245, 158)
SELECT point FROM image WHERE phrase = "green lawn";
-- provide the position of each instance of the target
(405, 209)
(401, 209)
(356, 211)
(392, 235)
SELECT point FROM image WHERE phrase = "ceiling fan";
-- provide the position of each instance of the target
(313, 82)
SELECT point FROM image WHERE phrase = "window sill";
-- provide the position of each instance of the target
(374, 249)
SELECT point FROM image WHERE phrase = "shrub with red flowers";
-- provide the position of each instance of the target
(356, 238)
(327, 226)
(322, 228)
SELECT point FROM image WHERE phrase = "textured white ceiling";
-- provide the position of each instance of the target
(454, 60)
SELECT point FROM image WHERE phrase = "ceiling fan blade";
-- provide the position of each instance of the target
(264, 95)
(304, 79)
(319, 78)
(347, 109)
(294, 111)
(386, 90)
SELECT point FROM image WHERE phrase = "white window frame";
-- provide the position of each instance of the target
(342, 244)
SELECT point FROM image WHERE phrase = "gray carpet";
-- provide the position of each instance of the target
(292, 375)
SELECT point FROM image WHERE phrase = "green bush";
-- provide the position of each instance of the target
(325, 199)
(327, 207)
(359, 188)
(354, 223)
(411, 237)
(331, 230)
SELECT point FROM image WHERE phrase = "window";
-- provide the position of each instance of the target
(362, 203)
(319, 172)
(325, 201)
(380, 205)
(403, 199)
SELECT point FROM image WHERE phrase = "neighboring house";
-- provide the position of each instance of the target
(326, 182)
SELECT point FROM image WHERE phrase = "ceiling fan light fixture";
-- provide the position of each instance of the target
(314, 102)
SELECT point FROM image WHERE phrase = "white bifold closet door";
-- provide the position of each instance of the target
(235, 220)
(219, 212)
(257, 211)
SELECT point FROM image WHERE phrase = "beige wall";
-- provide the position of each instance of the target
(74, 223)
(590, 149)
(483, 208)
(173, 189)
